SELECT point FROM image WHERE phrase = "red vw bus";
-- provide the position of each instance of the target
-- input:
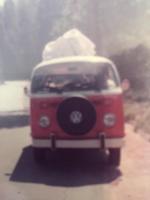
(76, 102)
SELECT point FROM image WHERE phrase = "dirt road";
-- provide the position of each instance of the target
(72, 175)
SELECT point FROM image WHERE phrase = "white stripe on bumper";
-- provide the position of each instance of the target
(90, 143)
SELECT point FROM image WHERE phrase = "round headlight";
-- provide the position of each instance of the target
(109, 119)
(44, 121)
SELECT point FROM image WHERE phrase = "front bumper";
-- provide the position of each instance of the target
(102, 143)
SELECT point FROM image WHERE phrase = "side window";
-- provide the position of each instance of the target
(106, 78)
(37, 84)
(111, 83)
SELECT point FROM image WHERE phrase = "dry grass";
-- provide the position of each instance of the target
(138, 114)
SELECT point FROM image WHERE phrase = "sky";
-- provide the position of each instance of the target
(1, 2)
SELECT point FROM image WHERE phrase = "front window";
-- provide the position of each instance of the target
(73, 78)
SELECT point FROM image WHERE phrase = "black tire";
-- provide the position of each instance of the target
(39, 155)
(114, 157)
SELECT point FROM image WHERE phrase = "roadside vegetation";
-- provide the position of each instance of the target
(138, 114)
(116, 27)
(134, 64)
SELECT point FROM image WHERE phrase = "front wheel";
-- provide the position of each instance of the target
(39, 155)
(114, 156)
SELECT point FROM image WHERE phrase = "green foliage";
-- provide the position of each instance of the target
(134, 64)
(26, 26)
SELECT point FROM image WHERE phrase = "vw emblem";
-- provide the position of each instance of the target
(76, 117)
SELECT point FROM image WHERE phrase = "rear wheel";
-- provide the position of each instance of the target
(114, 156)
(39, 155)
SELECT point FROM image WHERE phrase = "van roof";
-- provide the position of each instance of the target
(92, 59)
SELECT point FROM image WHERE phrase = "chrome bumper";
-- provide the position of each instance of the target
(103, 143)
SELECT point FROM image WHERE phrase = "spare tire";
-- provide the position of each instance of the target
(76, 116)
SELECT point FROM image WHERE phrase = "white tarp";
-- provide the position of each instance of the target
(72, 43)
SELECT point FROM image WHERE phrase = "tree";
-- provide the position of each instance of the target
(2, 43)
(9, 45)
(25, 28)
(48, 13)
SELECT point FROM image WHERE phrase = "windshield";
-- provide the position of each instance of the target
(70, 78)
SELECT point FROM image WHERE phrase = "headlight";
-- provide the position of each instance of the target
(109, 119)
(44, 121)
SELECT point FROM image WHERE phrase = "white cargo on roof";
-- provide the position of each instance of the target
(72, 43)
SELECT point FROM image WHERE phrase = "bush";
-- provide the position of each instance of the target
(134, 64)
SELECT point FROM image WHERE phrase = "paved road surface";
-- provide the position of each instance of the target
(72, 175)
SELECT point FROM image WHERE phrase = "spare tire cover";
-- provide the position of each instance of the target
(76, 116)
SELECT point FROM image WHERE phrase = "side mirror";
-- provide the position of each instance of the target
(125, 85)
(26, 91)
